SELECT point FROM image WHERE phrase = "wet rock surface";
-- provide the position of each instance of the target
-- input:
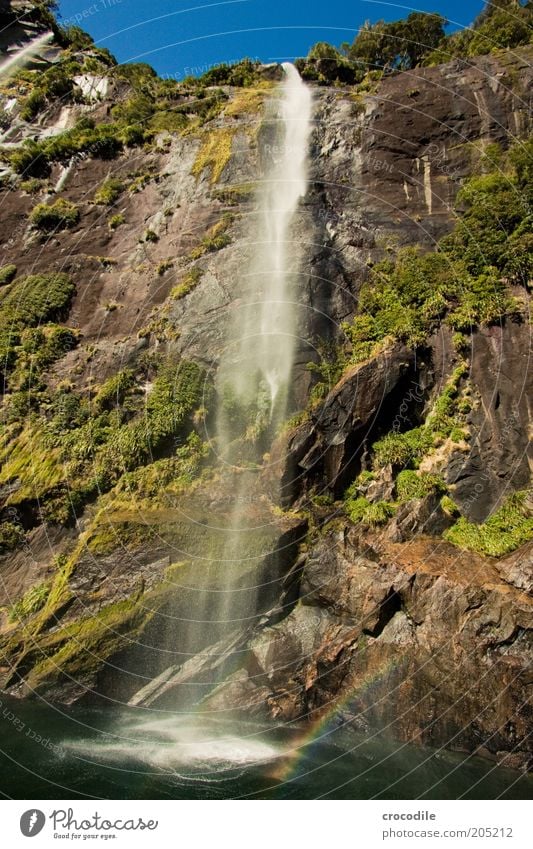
(421, 638)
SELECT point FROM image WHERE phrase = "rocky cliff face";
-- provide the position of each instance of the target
(373, 610)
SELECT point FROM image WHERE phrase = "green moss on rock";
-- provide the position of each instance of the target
(507, 528)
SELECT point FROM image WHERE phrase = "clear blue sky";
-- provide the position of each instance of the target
(179, 37)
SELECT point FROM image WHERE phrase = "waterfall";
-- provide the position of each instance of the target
(24, 54)
(256, 369)
(253, 392)
(253, 381)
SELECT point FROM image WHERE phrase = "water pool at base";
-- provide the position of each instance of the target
(58, 753)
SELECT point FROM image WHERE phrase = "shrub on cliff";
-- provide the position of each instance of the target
(103, 141)
(326, 64)
(35, 299)
(30, 603)
(55, 216)
(113, 392)
(32, 105)
(7, 274)
(31, 301)
(465, 280)
(11, 536)
(243, 73)
(44, 345)
(108, 192)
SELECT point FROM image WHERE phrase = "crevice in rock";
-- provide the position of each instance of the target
(401, 410)
(391, 604)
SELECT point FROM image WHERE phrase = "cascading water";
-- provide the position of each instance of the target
(20, 57)
(253, 390)
(254, 374)
(256, 369)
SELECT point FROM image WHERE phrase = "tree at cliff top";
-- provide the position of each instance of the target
(398, 45)
(418, 40)
(31, 11)
(505, 24)
(379, 47)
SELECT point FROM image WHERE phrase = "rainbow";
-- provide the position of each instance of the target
(326, 724)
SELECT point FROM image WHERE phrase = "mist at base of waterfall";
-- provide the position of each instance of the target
(170, 743)
(129, 754)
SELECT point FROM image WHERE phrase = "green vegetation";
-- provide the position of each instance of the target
(171, 121)
(76, 448)
(405, 451)
(465, 284)
(465, 281)
(399, 44)
(7, 273)
(389, 46)
(501, 24)
(233, 195)
(449, 506)
(214, 152)
(507, 529)
(187, 284)
(139, 182)
(172, 475)
(11, 536)
(109, 192)
(493, 237)
(215, 239)
(402, 449)
(443, 421)
(77, 648)
(32, 158)
(59, 215)
(150, 106)
(329, 369)
(30, 603)
(164, 266)
(249, 100)
(25, 456)
(54, 83)
(32, 186)
(113, 392)
(359, 510)
(241, 74)
(381, 47)
(28, 302)
(32, 105)
(406, 299)
(116, 221)
(411, 484)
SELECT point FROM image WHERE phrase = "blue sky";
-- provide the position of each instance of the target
(179, 37)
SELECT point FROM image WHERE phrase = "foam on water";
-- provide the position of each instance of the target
(173, 744)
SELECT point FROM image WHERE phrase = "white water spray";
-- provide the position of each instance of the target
(257, 367)
(21, 57)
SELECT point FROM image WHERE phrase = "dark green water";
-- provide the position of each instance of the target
(49, 753)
